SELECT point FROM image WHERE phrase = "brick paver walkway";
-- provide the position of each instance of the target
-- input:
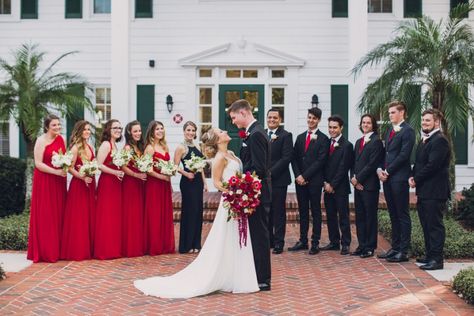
(325, 284)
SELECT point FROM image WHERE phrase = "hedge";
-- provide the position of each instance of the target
(465, 211)
(459, 242)
(2, 273)
(463, 284)
(14, 232)
(12, 185)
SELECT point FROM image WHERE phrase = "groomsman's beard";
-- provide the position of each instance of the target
(427, 131)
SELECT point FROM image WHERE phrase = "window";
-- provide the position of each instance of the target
(380, 6)
(340, 9)
(103, 104)
(4, 139)
(278, 73)
(232, 73)
(29, 9)
(143, 8)
(205, 109)
(455, 3)
(340, 104)
(205, 73)
(250, 74)
(278, 101)
(237, 73)
(73, 9)
(412, 8)
(5, 7)
(102, 6)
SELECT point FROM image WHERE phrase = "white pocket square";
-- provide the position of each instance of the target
(244, 145)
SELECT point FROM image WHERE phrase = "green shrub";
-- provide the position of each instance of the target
(14, 232)
(465, 212)
(463, 284)
(459, 242)
(2, 273)
(12, 185)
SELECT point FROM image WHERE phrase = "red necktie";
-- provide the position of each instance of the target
(361, 144)
(392, 133)
(308, 140)
(331, 148)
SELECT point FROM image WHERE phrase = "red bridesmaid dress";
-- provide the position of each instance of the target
(80, 205)
(47, 206)
(133, 207)
(159, 230)
(108, 220)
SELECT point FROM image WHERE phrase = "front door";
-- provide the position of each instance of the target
(230, 93)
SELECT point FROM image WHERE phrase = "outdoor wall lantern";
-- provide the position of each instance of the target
(169, 103)
(314, 101)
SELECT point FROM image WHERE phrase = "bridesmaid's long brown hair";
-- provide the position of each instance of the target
(150, 135)
(77, 139)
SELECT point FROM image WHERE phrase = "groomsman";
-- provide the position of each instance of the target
(396, 170)
(281, 151)
(431, 179)
(309, 159)
(337, 187)
(368, 153)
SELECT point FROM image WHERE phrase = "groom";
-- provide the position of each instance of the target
(255, 156)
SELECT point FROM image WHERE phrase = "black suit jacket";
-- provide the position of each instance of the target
(255, 156)
(310, 164)
(397, 153)
(367, 162)
(338, 165)
(430, 170)
(281, 152)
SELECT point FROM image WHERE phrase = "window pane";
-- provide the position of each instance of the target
(4, 139)
(340, 9)
(375, 6)
(205, 96)
(102, 6)
(73, 9)
(100, 96)
(205, 114)
(250, 74)
(205, 73)
(278, 95)
(232, 73)
(252, 97)
(143, 8)
(29, 9)
(412, 9)
(230, 97)
(278, 74)
(387, 6)
(455, 3)
(5, 7)
(108, 98)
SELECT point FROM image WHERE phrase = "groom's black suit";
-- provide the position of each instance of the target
(255, 156)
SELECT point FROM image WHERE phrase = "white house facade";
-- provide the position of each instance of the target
(180, 60)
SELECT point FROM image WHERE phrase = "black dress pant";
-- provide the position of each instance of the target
(258, 226)
(277, 222)
(309, 196)
(337, 214)
(366, 207)
(430, 213)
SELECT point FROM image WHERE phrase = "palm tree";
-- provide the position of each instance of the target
(428, 61)
(29, 93)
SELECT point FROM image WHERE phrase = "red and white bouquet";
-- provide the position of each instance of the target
(241, 200)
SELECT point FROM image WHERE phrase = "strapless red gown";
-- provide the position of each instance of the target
(47, 206)
(159, 230)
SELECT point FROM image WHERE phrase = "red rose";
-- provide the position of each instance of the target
(234, 180)
(248, 177)
(256, 186)
(243, 134)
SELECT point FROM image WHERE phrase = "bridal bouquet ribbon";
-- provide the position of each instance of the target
(241, 200)
(89, 168)
(121, 157)
(168, 168)
(144, 163)
(60, 160)
(195, 163)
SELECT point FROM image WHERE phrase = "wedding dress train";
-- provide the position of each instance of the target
(222, 265)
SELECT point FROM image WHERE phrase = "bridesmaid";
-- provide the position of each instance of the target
(108, 222)
(159, 230)
(192, 186)
(48, 195)
(80, 203)
(133, 194)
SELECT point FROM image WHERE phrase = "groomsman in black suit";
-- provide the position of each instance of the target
(281, 151)
(309, 159)
(396, 170)
(337, 187)
(431, 179)
(368, 153)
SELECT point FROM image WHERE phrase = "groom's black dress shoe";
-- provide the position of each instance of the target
(423, 260)
(330, 246)
(432, 265)
(264, 287)
(314, 250)
(298, 246)
(387, 254)
(344, 250)
(367, 254)
(399, 257)
(357, 252)
(277, 250)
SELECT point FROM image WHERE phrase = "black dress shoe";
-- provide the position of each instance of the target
(298, 246)
(264, 287)
(314, 250)
(423, 260)
(388, 254)
(399, 257)
(330, 246)
(344, 250)
(432, 265)
(277, 250)
(357, 252)
(367, 254)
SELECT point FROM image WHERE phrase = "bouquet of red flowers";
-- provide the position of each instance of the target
(241, 200)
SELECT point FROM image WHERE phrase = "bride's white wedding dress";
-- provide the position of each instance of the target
(220, 266)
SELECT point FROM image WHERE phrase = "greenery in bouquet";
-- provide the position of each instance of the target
(144, 163)
(89, 168)
(60, 160)
(195, 163)
(168, 168)
(121, 157)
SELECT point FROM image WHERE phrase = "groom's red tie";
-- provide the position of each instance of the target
(308, 140)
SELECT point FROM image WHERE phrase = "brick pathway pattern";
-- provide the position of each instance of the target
(324, 284)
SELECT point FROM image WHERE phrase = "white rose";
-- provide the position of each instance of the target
(274, 136)
(397, 129)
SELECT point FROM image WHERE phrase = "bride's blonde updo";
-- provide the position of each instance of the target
(209, 141)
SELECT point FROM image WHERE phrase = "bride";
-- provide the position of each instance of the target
(222, 265)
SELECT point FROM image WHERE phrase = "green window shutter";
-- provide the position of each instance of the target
(29, 9)
(460, 140)
(340, 104)
(73, 9)
(454, 3)
(78, 113)
(143, 8)
(145, 105)
(340, 9)
(412, 8)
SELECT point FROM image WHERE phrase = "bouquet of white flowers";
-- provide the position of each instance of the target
(195, 163)
(144, 163)
(167, 168)
(60, 160)
(89, 168)
(121, 157)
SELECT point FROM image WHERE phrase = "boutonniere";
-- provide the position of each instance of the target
(314, 136)
(336, 144)
(243, 134)
(274, 136)
(366, 139)
(397, 128)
